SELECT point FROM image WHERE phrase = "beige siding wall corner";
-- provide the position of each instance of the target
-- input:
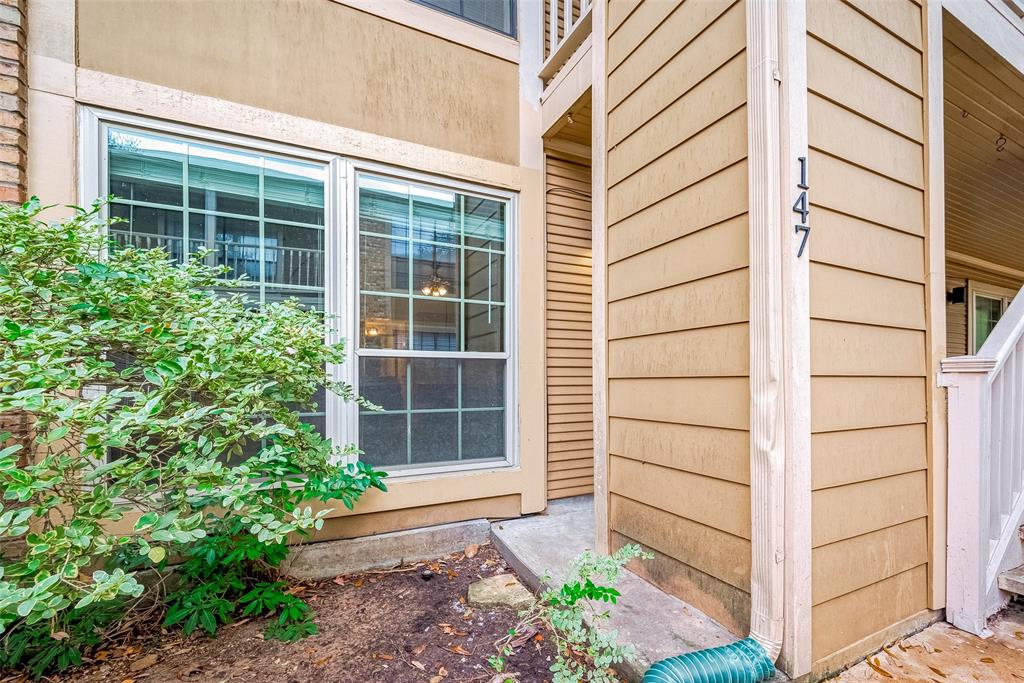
(315, 59)
(677, 291)
(870, 497)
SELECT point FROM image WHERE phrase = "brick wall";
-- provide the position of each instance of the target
(13, 86)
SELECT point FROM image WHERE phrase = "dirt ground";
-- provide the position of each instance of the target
(407, 625)
(943, 654)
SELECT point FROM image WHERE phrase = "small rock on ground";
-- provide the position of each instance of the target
(503, 590)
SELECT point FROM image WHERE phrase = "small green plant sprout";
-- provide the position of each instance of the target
(159, 419)
(574, 613)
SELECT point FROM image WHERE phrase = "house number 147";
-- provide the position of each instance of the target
(800, 207)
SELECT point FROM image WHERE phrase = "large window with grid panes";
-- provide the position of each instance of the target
(423, 296)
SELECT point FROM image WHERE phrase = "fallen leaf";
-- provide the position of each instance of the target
(381, 655)
(472, 550)
(1019, 635)
(523, 638)
(358, 583)
(457, 649)
(59, 635)
(874, 665)
(321, 662)
(101, 655)
(988, 660)
(452, 574)
(143, 663)
(340, 580)
(937, 671)
(236, 624)
(539, 638)
(128, 680)
(889, 652)
(418, 650)
(448, 630)
(418, 665)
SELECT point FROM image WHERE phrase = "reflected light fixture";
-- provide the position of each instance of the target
(372, 331)
(436, 286)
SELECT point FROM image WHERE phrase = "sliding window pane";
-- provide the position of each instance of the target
(384, 438)
(485, 276)
(483, 435)
(435, 383)
(145, 168)
(384, 322)
(307, 299)
(485, 328)
(294, 255)
(435, 215)
(383, 382)
(145, 227)
(383, 264)
(435, 438)
(383, 207)
(235, 243)
(485, 223)
(224, 180)
(483, 383)
(435, 270)
(435, 325)
(293, 191)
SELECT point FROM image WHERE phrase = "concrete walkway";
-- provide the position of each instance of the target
(658, 625)
(944, 653)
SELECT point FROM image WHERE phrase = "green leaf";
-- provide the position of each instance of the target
(157, 554)
(57, 434)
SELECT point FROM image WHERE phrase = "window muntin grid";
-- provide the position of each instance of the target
(262, 216)
(427, 357)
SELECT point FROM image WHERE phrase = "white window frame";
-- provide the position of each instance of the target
(974, 290)
(341, 290)
(510, 355)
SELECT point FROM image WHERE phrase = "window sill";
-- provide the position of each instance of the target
(419, 473)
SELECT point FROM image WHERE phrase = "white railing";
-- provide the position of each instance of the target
(568, 25)
(289, 266)
(986, 470)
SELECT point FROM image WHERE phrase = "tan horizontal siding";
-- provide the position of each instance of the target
(570, 425)
(869, 393)
(678, 297)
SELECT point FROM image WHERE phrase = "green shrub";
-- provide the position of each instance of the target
(574, 614)
(163, 423)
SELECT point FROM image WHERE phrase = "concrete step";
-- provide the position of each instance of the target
(1012, 580)
(657, 624)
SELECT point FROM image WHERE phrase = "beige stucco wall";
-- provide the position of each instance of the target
(316, 59)
(677, 289)
(870, 503)
(460, 120)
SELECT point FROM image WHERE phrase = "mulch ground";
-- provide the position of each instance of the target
(410, 624)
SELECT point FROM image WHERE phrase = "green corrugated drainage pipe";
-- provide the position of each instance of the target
(741, 662)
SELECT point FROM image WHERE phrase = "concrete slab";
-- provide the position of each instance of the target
(943, 652)
(657, 624)
(383, 551)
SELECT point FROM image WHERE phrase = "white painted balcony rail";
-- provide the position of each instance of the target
(568, 25)
(986, 470)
